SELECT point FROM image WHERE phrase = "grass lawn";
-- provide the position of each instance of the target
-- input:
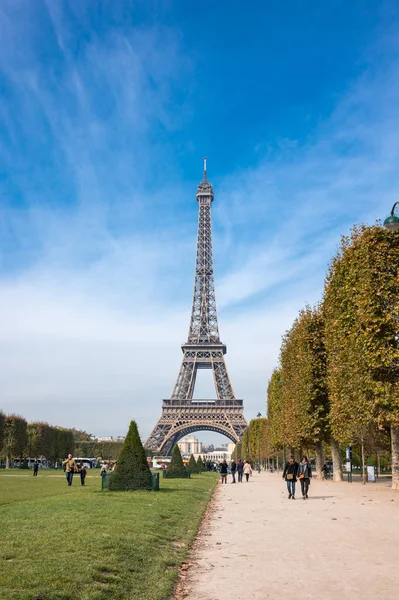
(78, 543)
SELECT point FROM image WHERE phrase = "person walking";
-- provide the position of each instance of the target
(223, 471)
(70, 467)
(240, 469)
(35, 468)
(304, 475)
(247, 471)
(233, 469)
(289, 474)
(83, 473)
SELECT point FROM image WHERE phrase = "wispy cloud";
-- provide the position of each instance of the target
(97, 257)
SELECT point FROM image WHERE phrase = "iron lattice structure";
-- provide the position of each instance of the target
(181, 413)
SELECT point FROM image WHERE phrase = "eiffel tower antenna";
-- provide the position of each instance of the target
(181, 413)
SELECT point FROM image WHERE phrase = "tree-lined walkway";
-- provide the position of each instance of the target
(341, 544)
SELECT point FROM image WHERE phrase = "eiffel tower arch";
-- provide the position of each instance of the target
(181, 413)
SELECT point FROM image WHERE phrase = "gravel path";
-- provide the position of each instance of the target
(341, 544)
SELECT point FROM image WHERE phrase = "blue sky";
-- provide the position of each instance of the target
(106, 110)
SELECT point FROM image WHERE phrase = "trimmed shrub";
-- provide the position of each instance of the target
(176, 468)
(200, 465)
(192, 465)
(132, 471)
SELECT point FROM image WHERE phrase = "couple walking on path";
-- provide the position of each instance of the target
(294, 471)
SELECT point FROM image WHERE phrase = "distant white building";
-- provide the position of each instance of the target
(190, 445)
(105, 438)
(218, 455)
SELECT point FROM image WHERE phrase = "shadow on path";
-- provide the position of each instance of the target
(319, 497)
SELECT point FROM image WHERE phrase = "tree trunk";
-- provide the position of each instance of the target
(395, 457)
(364, 479)
(277, 465)
(336, 457)
(8, 461)
(318, 450)
(378, 465)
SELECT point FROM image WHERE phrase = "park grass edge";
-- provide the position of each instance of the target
(177, 583)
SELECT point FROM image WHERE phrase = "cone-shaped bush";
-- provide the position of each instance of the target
(132, 471)
(176, 460)
(176, 466)
(192, 465)
(200, 465)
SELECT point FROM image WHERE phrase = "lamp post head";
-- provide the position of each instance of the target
(258, 416)
(392, 222)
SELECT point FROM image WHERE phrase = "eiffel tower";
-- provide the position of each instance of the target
(181, 413)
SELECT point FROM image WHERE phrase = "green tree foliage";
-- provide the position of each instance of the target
(362, 313)
(36, 439)
(176, 466)
(15, 437)
(256, 441)
(81, 436)
(275, 410)
(132, 471)
(237, 452)
(200, 465)
(64, 443)
(192, 465)
(2, 428)
(105, 450)
(304, 392)
(41, 439)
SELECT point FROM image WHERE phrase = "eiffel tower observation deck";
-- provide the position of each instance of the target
(181, 413)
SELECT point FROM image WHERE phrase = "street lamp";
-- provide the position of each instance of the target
(392, 222)
(258, 416)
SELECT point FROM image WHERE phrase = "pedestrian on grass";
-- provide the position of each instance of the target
(83, 473)
(247, 471)
(70, 467)
(240, 469)
(35, 467)
(233, 469)
(289, 474)
(304, 475)
(223, 471)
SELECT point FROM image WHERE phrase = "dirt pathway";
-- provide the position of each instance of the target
(341, 544)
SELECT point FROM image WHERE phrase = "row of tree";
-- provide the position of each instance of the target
(93, 449)
(19, 438)
(338, 377)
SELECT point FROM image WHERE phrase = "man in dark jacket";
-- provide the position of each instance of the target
(233, 470)
(240, 469)
(289, 474)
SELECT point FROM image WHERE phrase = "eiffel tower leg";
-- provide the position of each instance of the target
(224, 389)
(185, 383)
(158, 434)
